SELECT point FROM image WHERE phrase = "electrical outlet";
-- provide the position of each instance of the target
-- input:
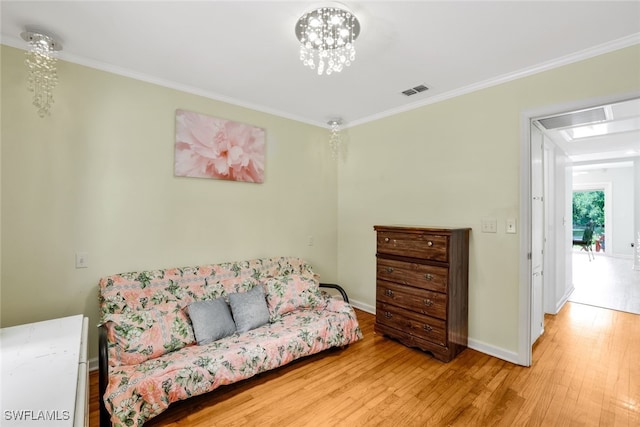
(489, 225)
(310, 241)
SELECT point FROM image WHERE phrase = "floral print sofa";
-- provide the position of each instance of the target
(151, 351)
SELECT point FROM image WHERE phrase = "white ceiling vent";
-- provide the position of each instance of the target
(577, 118)
(414, 90)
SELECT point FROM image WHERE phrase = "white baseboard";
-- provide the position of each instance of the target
(362, 306)
(500, 353)
(564, 299)
(480, 346)
(93, 364)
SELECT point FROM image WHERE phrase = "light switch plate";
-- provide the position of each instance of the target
(82, 260)
(489, 225)
(511, 226)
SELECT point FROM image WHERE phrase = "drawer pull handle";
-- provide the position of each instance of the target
(429, 243)
(386, 240)
(388, 292)
(388, 315)
(389, 270)
(427, 328)
(428, 302)
(428, 276)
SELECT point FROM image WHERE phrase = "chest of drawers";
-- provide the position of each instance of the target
(422, 287)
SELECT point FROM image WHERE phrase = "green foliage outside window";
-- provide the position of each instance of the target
(588, 206)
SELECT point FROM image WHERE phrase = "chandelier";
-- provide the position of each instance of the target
(41, 65)
(326, 39)
(334, 137)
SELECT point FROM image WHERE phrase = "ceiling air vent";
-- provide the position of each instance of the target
(414, 90)
(577, 118)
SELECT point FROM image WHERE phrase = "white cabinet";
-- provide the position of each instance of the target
(44, 373)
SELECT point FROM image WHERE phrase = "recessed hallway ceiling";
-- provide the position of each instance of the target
(607, 132)
(246, 53)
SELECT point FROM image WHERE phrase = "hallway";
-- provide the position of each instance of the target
(607, 282)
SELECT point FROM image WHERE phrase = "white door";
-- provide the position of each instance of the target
(537, 233)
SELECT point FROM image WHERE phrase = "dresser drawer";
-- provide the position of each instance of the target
(416, 245)
(408, 273)
(414, 299)
(415, 324)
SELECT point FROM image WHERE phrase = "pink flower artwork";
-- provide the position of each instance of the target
(208, 147)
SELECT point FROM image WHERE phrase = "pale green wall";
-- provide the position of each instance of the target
(97, 176)
(451, 164)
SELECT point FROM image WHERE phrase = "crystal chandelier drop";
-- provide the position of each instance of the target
(326, 39)
(334, 137)
(41, 64)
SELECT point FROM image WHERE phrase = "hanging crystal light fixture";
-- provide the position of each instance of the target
(41, 64)
(326, 39)
(334, 137)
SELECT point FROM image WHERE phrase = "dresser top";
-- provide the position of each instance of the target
(419, 229)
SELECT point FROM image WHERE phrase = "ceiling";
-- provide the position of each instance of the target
(246, 53)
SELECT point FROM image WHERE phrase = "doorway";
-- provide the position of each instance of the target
(586, 146)
(607, 278)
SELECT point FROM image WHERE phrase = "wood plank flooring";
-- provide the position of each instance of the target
(586, 372)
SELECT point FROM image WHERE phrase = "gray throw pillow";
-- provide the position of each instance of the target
(249, 308)
(211, 320)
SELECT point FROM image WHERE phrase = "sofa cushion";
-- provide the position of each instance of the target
(147, 334)
(136, 393)
(249, 309)
(211, 320)
(292, 292)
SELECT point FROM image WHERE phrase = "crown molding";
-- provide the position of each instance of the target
(591, 52)
(125, 72)
(611, 46)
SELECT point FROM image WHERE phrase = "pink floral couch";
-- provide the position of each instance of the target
(149, 353)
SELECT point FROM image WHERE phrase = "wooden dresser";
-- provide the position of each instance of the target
(422, 287)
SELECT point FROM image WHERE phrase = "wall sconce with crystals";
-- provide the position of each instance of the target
(334, 137)
(326, 39)
(41, 65)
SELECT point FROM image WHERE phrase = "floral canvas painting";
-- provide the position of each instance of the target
(209, 147)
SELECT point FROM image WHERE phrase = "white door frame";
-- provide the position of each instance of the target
(524, 320)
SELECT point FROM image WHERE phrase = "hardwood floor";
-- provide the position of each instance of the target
(586, 372)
